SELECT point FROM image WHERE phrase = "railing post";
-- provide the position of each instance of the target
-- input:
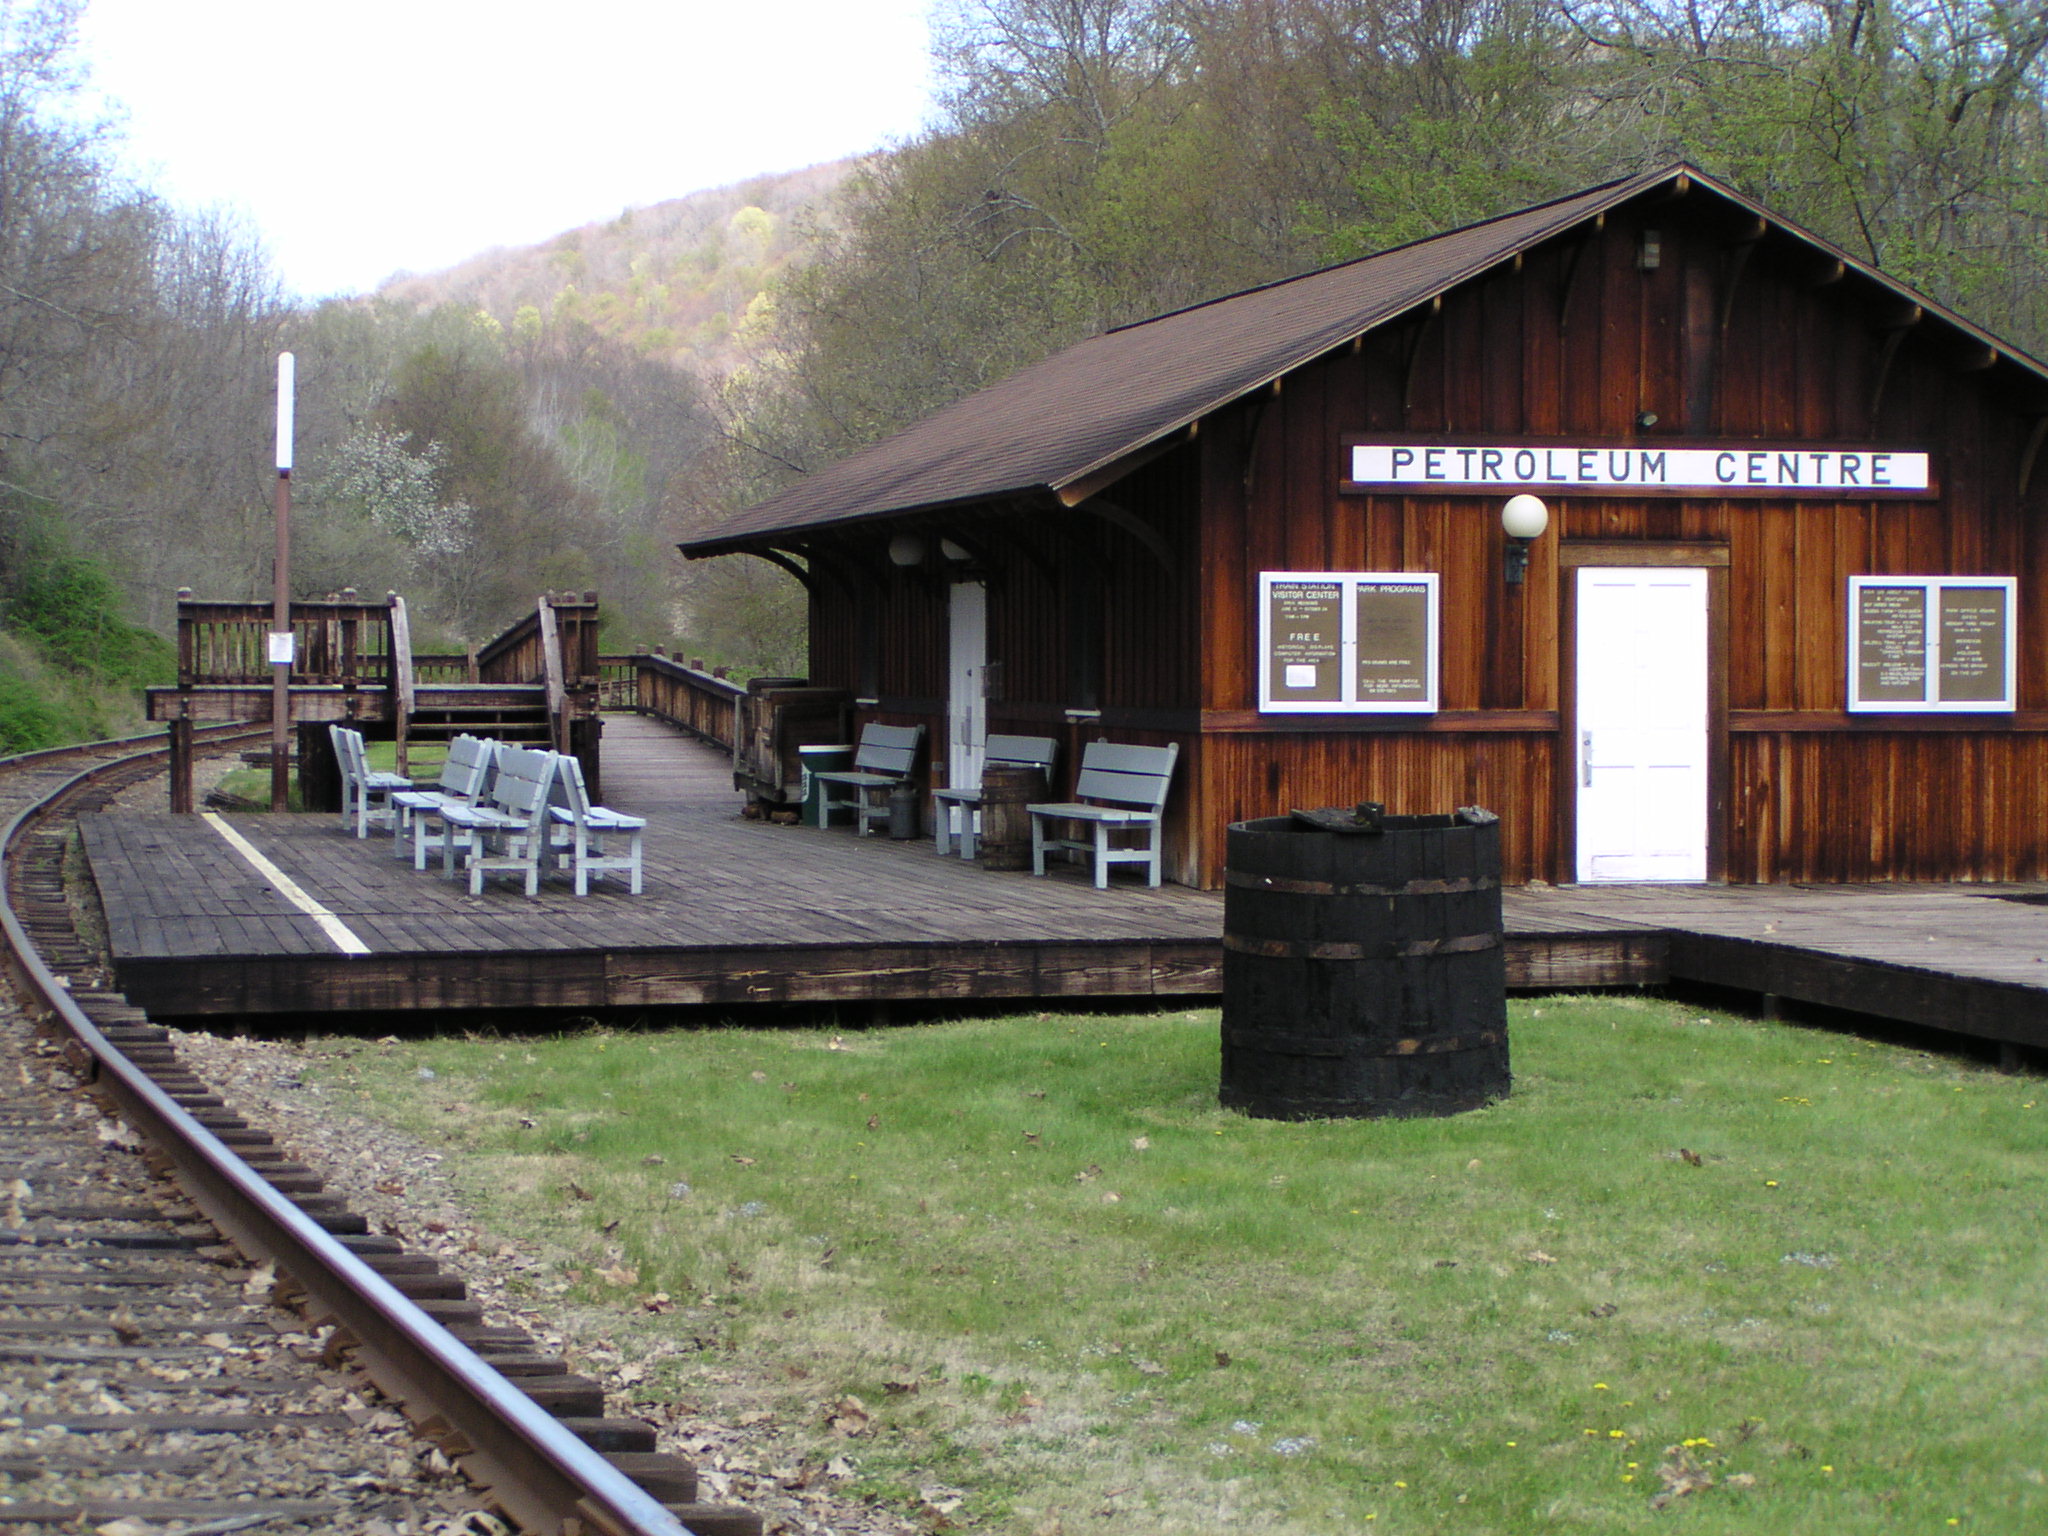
(402, 695)
(181, 765)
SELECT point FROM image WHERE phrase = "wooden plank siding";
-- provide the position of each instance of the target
(1742, 332)
(1580, 344)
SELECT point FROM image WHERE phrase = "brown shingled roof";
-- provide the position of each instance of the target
(1053, 425)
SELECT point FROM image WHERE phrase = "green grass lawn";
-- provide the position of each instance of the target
(1059, 1279)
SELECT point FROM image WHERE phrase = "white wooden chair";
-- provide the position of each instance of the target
(580, 830)
(464, 778)
(1121, 789)
(885, 758)
(508, 833)
(365, 794)
(964, 800)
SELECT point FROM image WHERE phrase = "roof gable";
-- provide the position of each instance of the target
(1054, 428)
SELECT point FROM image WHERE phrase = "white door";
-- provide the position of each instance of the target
(966, 690)
(1642, 724)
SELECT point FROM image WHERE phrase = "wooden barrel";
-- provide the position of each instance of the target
(1363, 975)
(1005, 841)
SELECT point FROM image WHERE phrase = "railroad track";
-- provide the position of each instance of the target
(184, 1314)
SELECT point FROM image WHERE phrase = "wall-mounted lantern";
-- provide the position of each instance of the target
(906, 549)
(1523, 520)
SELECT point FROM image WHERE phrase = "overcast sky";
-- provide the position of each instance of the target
(377, 136)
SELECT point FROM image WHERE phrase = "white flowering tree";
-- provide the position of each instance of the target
(377, 474)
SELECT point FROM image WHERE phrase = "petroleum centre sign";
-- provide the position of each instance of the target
(1639, 469)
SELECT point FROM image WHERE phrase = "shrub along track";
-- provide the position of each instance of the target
(113, 1322)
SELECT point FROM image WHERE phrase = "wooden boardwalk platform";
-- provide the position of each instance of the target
(739, 913)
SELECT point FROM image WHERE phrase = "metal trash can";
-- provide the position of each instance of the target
(903, 820)
(1363, 974)
(820, 760)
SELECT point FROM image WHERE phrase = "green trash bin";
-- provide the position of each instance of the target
(820, 760)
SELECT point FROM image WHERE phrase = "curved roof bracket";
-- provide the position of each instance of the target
(1895, 332)
(2029, 452)
(776, 557)
(1129, 522)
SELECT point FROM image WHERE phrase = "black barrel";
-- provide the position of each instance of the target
(1363, 974)
(1005, 841)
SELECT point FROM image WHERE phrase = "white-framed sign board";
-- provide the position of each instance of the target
(1933, 644)
(1348, 642)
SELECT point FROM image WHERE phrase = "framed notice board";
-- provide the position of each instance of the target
(1932, 644)
(1348, 642)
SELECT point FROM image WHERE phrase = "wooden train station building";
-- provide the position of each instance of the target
(1775, 612)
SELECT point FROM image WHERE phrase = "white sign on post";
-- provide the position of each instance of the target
(282, 653)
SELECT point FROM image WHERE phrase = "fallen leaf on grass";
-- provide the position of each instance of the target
(850, 1417)
(874, 1122)
(941, 1498)
(621, 1275)
(744, 1162)
(1681, 1474)
(658, 1302)
(1141, 1143)
(1091, 1172)
(1538, 1256)
(1691, 1157)
(1222, 1358)
(900, 1388)
(578, 1192)
(1111, 1197)
(839, 1468)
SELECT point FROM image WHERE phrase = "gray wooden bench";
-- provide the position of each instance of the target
(1001, 752)
(508, 833)
(1120, 789)
(365, 792)
(885, 758)
(464, 777)
(580, 830)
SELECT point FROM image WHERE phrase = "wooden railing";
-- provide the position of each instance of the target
(519, 654)
(702, 703)
(618, 682)
(444, 667)
(556, 646)
(344, 642)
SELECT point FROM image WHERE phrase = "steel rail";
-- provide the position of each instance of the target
(541, 1475)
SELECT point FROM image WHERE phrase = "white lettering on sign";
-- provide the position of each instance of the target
(1680, 469)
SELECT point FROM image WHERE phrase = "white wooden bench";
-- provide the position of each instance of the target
(965, 799)
(580, 830)
(1121, 789)
(464, 777)
(508, 832)
(365, 793)
(885, 758)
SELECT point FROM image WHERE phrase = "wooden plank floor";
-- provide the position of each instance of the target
(1967, 958)
(739, 912)
(734, 911)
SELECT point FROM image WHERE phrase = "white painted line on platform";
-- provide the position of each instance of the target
(342, 935)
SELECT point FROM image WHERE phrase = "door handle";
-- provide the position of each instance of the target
(1586, 759)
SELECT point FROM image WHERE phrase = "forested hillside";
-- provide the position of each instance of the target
(557, 417)
(1103, 160)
